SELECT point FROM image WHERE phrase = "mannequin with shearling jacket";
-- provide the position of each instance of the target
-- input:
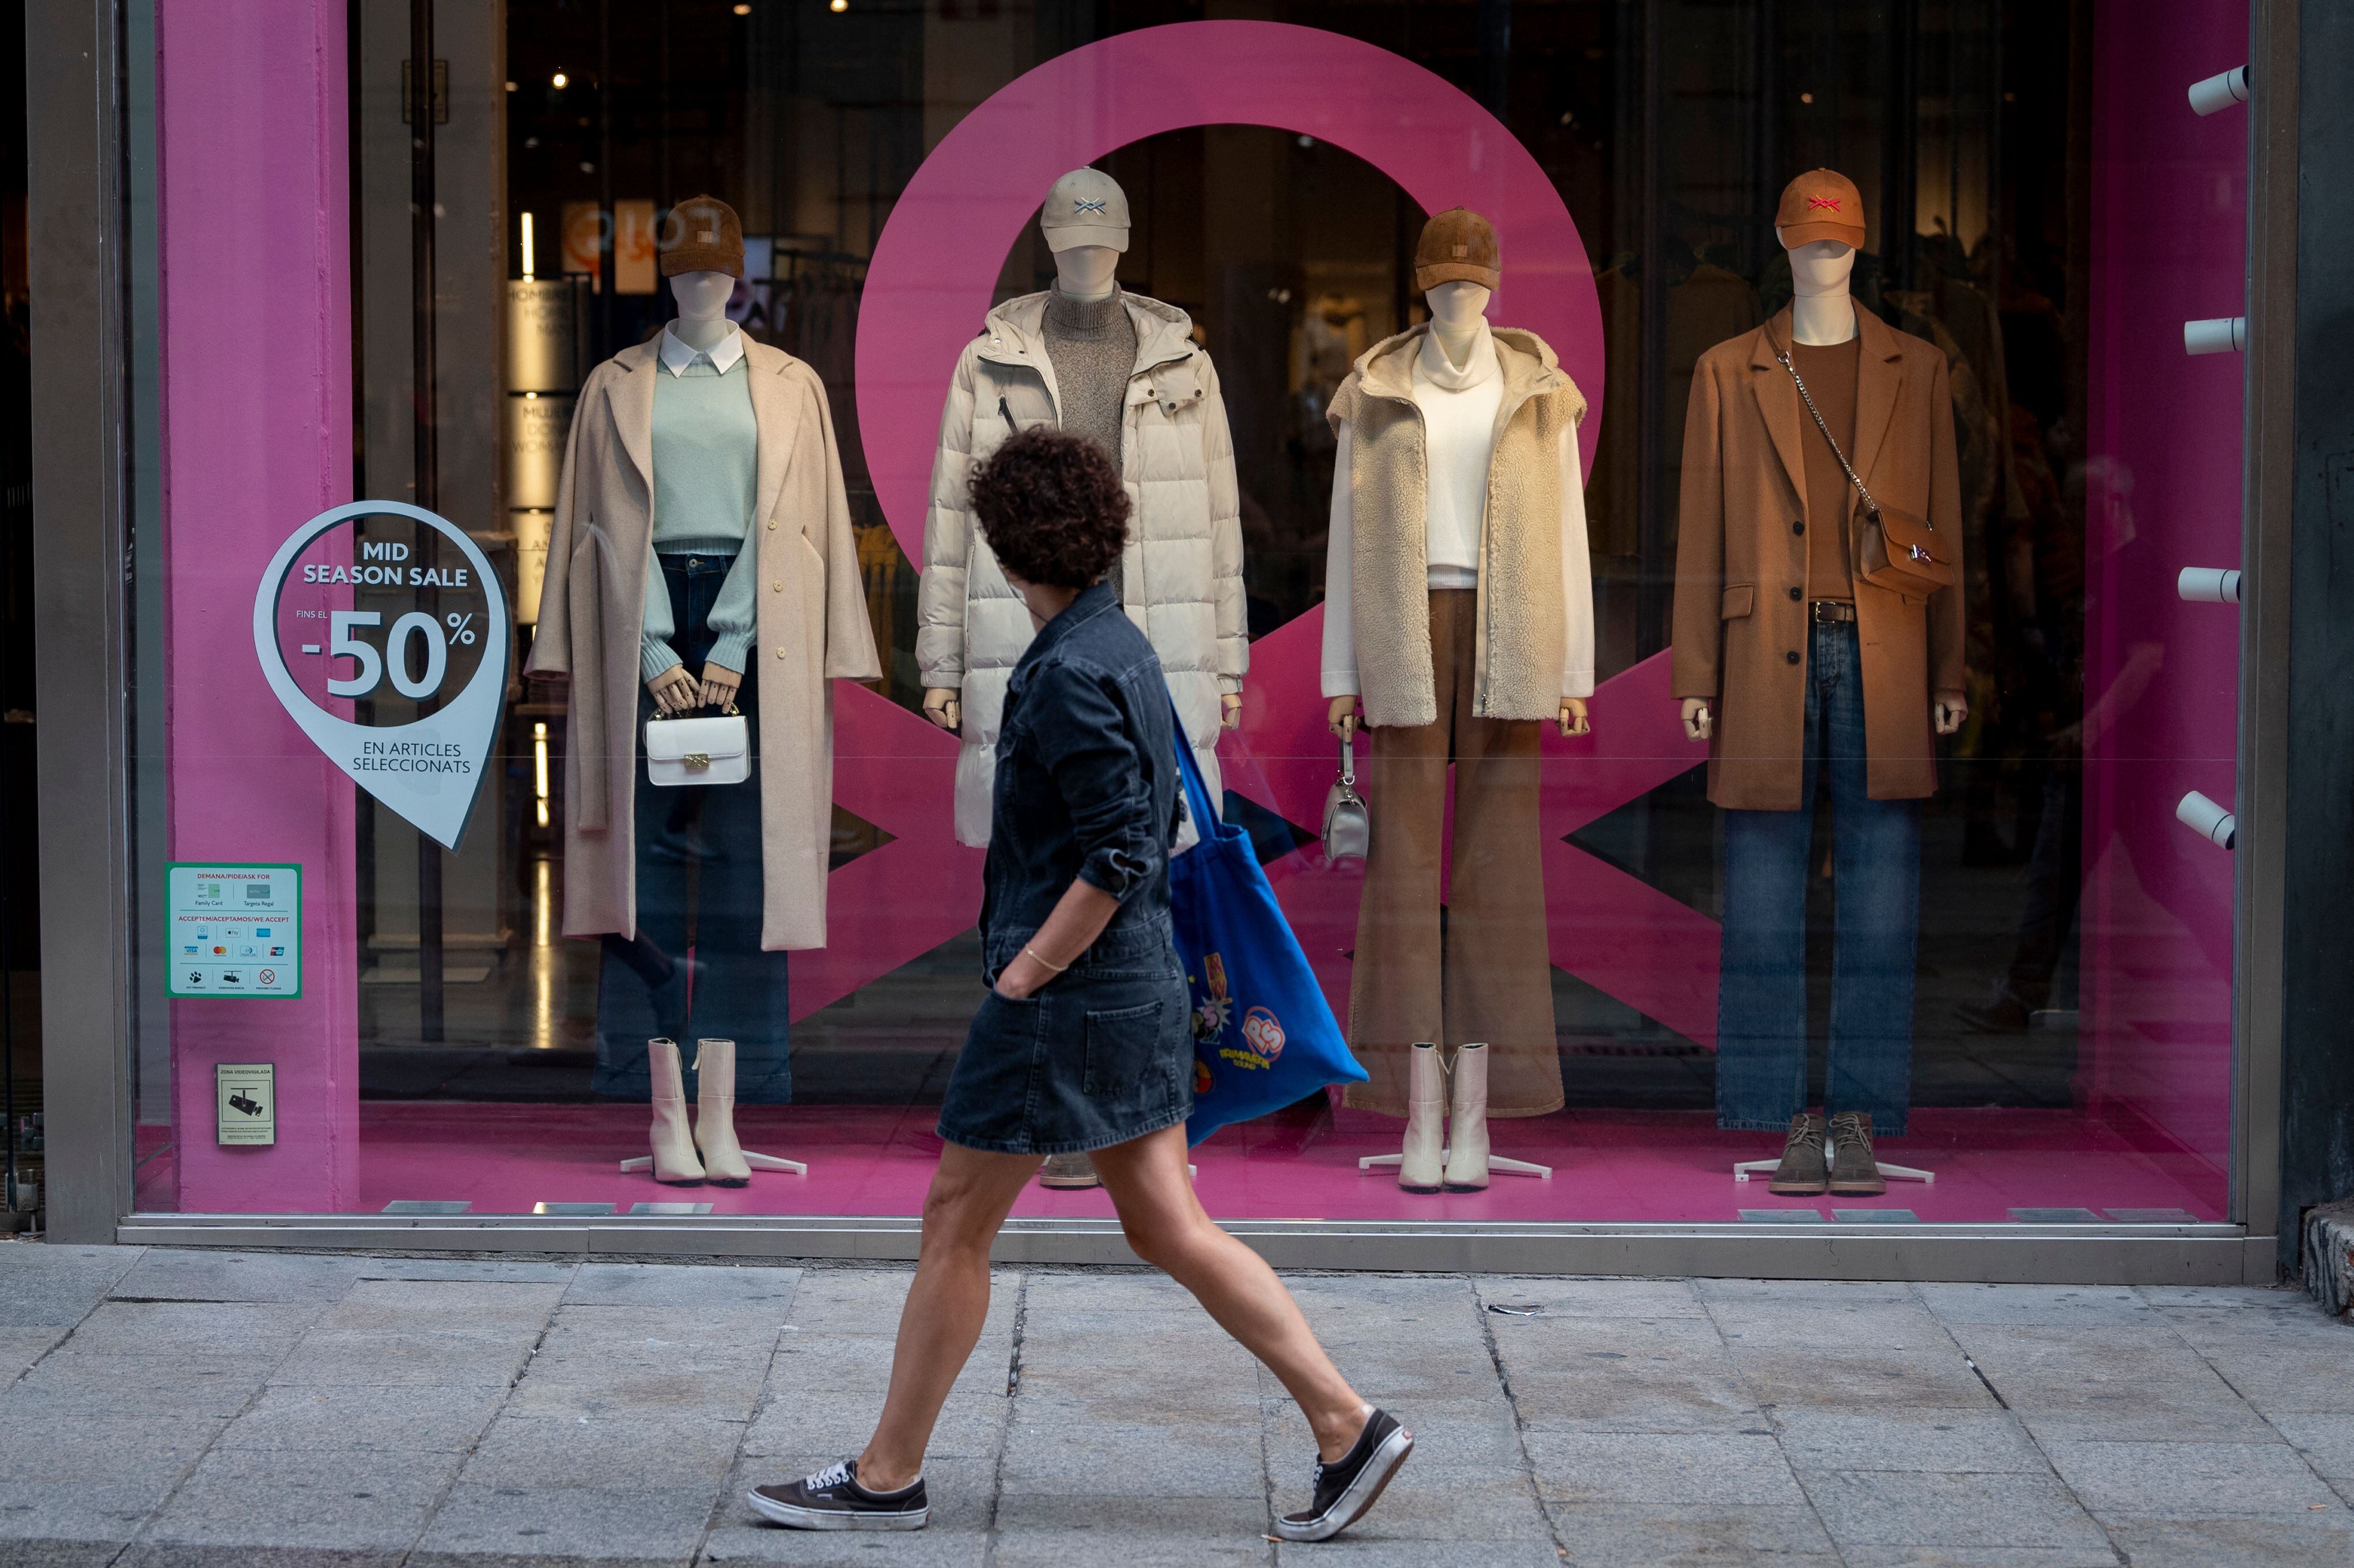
(1803, 675)
(1459, 616)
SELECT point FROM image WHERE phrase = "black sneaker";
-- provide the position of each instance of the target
(833, 1499)
(1349, 1486)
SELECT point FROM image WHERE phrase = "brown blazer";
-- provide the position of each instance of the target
(812, 620)
(1741, 633)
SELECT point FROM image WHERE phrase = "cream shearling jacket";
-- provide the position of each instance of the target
(1436, 463)
(1180, 576)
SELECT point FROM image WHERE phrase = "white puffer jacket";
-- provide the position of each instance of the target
(1180, 577)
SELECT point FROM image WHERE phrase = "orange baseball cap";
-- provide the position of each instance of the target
(1820, 205)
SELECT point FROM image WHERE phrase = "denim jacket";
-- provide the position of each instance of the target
(1087, 781)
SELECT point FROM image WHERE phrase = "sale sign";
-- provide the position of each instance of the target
(395, 612)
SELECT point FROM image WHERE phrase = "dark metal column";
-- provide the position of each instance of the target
(429, 970)
(73, 114)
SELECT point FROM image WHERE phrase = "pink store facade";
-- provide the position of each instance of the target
(449, 1068)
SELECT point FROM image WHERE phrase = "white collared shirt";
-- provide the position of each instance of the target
(678, 354)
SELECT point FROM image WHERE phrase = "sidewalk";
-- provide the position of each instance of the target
(281, 1411)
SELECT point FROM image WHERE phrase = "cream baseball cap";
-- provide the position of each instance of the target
(1086, 207)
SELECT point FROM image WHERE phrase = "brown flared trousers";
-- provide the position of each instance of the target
(1483, 974)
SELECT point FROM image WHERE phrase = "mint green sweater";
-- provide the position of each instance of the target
(706, 469)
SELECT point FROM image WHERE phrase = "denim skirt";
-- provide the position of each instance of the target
(1100, 1055)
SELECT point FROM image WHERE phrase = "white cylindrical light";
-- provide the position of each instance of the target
(2220, 92)
(2209, 585)
(530, 249)
(2217, 334)
(2208, 819)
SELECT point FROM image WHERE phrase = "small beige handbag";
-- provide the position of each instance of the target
(713, 750)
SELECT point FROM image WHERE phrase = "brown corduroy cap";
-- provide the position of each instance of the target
(1820, 205)
(704, 235)
(1457, 245)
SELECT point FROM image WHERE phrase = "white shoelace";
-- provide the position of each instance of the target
(833, 1475)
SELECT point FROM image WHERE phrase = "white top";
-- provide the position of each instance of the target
(1458, 422)
(678, 354)
(1459, 414)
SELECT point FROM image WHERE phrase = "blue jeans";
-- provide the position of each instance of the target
(699, 895)
(1761, 1024)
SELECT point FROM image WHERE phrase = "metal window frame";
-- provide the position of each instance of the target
(75, 125)
(74, 128)
(2268, 448)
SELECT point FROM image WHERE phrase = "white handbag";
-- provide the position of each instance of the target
(716, 750)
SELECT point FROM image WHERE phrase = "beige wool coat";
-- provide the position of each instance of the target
(1742, 630)
(1180, 574)
(812, 630)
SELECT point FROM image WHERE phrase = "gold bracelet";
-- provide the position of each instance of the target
(1050, 963)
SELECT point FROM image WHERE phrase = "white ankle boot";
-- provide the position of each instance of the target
(1426, 1120)
(675, 1161)
(1467, 1148)
(715, 1114)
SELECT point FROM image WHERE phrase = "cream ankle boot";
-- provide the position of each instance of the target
(715, 1114)
(675, 1161)
(1466, 1152)
(1426, 1120)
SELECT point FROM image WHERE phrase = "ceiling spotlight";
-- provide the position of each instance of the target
(743, 10)
(558, 79)
(1805, 98)
(837, 4)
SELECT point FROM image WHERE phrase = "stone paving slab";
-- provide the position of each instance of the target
(168, 1409)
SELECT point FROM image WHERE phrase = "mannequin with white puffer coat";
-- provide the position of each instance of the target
(1039, 360)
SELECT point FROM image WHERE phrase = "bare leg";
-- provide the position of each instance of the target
(1165, 1225)
(971, 1196)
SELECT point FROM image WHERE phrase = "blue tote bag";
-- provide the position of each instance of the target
(1263, 1037)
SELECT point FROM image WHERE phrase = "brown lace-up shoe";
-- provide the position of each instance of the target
(1854, 1172)
(1802, 1173)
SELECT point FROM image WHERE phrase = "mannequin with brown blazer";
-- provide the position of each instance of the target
(1802, 675)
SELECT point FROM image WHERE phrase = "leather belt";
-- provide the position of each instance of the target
(1826, 609)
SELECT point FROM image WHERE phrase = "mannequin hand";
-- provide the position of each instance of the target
(941, 707)
(1230, 710)
(720, 684)
(673, 690)
(1949, 710)
(1572, 716)
(1342, 717)
(1699, 722)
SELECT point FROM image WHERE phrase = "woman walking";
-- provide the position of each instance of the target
(1083, 1043)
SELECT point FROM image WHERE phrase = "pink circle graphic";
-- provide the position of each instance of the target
(937, 261)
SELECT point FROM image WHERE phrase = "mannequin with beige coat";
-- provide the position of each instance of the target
(1459, 618)
(701, 554)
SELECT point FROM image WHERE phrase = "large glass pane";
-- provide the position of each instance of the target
(1984, 925)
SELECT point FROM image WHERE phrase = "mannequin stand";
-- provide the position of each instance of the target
(1741, 1171)
(1496, 1162)
(757, 1162)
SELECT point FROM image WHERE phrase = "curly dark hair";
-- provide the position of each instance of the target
(1051, 507)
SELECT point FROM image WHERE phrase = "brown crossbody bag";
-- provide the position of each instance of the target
(1893, 550)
